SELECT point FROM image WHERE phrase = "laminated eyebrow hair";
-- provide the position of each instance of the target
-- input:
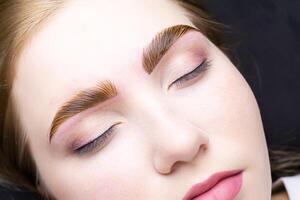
(161, 43)
(106, 90)
(83, 100)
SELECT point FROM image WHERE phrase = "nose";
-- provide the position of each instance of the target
(176, 142)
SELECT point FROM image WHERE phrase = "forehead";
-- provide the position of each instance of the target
(89, 34)
(83, 42)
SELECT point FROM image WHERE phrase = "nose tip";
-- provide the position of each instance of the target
(182, 150)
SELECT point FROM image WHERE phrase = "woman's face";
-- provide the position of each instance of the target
(164, 135)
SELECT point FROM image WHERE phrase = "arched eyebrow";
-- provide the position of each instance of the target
(106, 90)
(160, 44)
(81, 101)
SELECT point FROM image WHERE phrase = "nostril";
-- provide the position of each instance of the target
(203, 148)
(177, 165)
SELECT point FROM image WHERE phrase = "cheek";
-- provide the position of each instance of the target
(113, 182)
(108, 185)
(220, 100)
(224, 107)
(116, 172)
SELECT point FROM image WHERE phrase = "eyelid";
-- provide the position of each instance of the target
(203, 66)
(96, 144)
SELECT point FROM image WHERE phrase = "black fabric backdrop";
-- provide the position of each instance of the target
(267, 45)
(264, 35)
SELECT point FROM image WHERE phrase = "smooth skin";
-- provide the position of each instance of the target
(167, 140)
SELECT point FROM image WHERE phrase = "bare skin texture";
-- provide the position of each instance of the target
(168, 138)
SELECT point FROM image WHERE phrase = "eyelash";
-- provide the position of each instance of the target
(192, 74)
(100, 140)
(97, 142)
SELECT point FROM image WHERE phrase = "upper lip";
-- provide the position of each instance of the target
(200, 188)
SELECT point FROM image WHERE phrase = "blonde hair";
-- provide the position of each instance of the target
(21, 19)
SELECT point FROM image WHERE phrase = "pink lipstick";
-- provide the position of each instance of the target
(222, 185)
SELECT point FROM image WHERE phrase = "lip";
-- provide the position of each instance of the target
(226, 183)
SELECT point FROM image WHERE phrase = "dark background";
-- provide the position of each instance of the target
(267, 49)
(264, 37)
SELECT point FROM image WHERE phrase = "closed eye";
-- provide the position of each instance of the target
(192, 74)
(97, 143)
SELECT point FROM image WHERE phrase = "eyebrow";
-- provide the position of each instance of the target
(106, 90)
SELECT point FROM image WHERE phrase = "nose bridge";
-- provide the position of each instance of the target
(158, 114)
(152, 108)
(174, 139)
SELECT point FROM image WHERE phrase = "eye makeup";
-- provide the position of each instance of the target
(205, 64)
(100, 141)
(97, 143)
(188, 53)
(103, 139)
